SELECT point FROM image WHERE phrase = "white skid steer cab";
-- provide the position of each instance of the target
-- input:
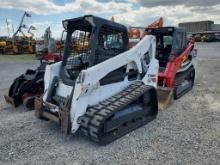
(100, 87)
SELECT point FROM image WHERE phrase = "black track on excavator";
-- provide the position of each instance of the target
(114, 117)
(188, 77)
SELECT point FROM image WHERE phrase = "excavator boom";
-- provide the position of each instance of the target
(137, 33)
(156, 24)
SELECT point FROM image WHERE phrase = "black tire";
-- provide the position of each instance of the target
(29, 102)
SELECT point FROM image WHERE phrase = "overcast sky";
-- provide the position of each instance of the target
(129, 12)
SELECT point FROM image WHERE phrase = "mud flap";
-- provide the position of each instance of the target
(165, 97)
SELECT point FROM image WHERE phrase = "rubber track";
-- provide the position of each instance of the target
(95, 116)
(180, 77)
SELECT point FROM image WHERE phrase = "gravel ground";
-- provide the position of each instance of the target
(188, 132)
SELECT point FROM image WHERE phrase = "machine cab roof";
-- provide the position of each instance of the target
(91, 40)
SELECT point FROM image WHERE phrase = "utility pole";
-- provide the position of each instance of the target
(7, 27)
(13, 30)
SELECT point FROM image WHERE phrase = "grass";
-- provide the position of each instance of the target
(23, 57)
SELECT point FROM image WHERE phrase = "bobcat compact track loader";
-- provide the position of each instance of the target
(103, 89)
(176, 59)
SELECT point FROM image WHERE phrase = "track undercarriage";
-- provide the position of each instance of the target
(104, 89)
(184, 82)
(107, 121)
(112, 118)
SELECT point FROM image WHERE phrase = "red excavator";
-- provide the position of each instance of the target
(176, 56)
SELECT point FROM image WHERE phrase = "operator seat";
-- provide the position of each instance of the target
(163, 56)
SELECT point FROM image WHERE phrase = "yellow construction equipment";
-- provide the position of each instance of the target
(21, 44)
(11, 47)
(2, 45)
